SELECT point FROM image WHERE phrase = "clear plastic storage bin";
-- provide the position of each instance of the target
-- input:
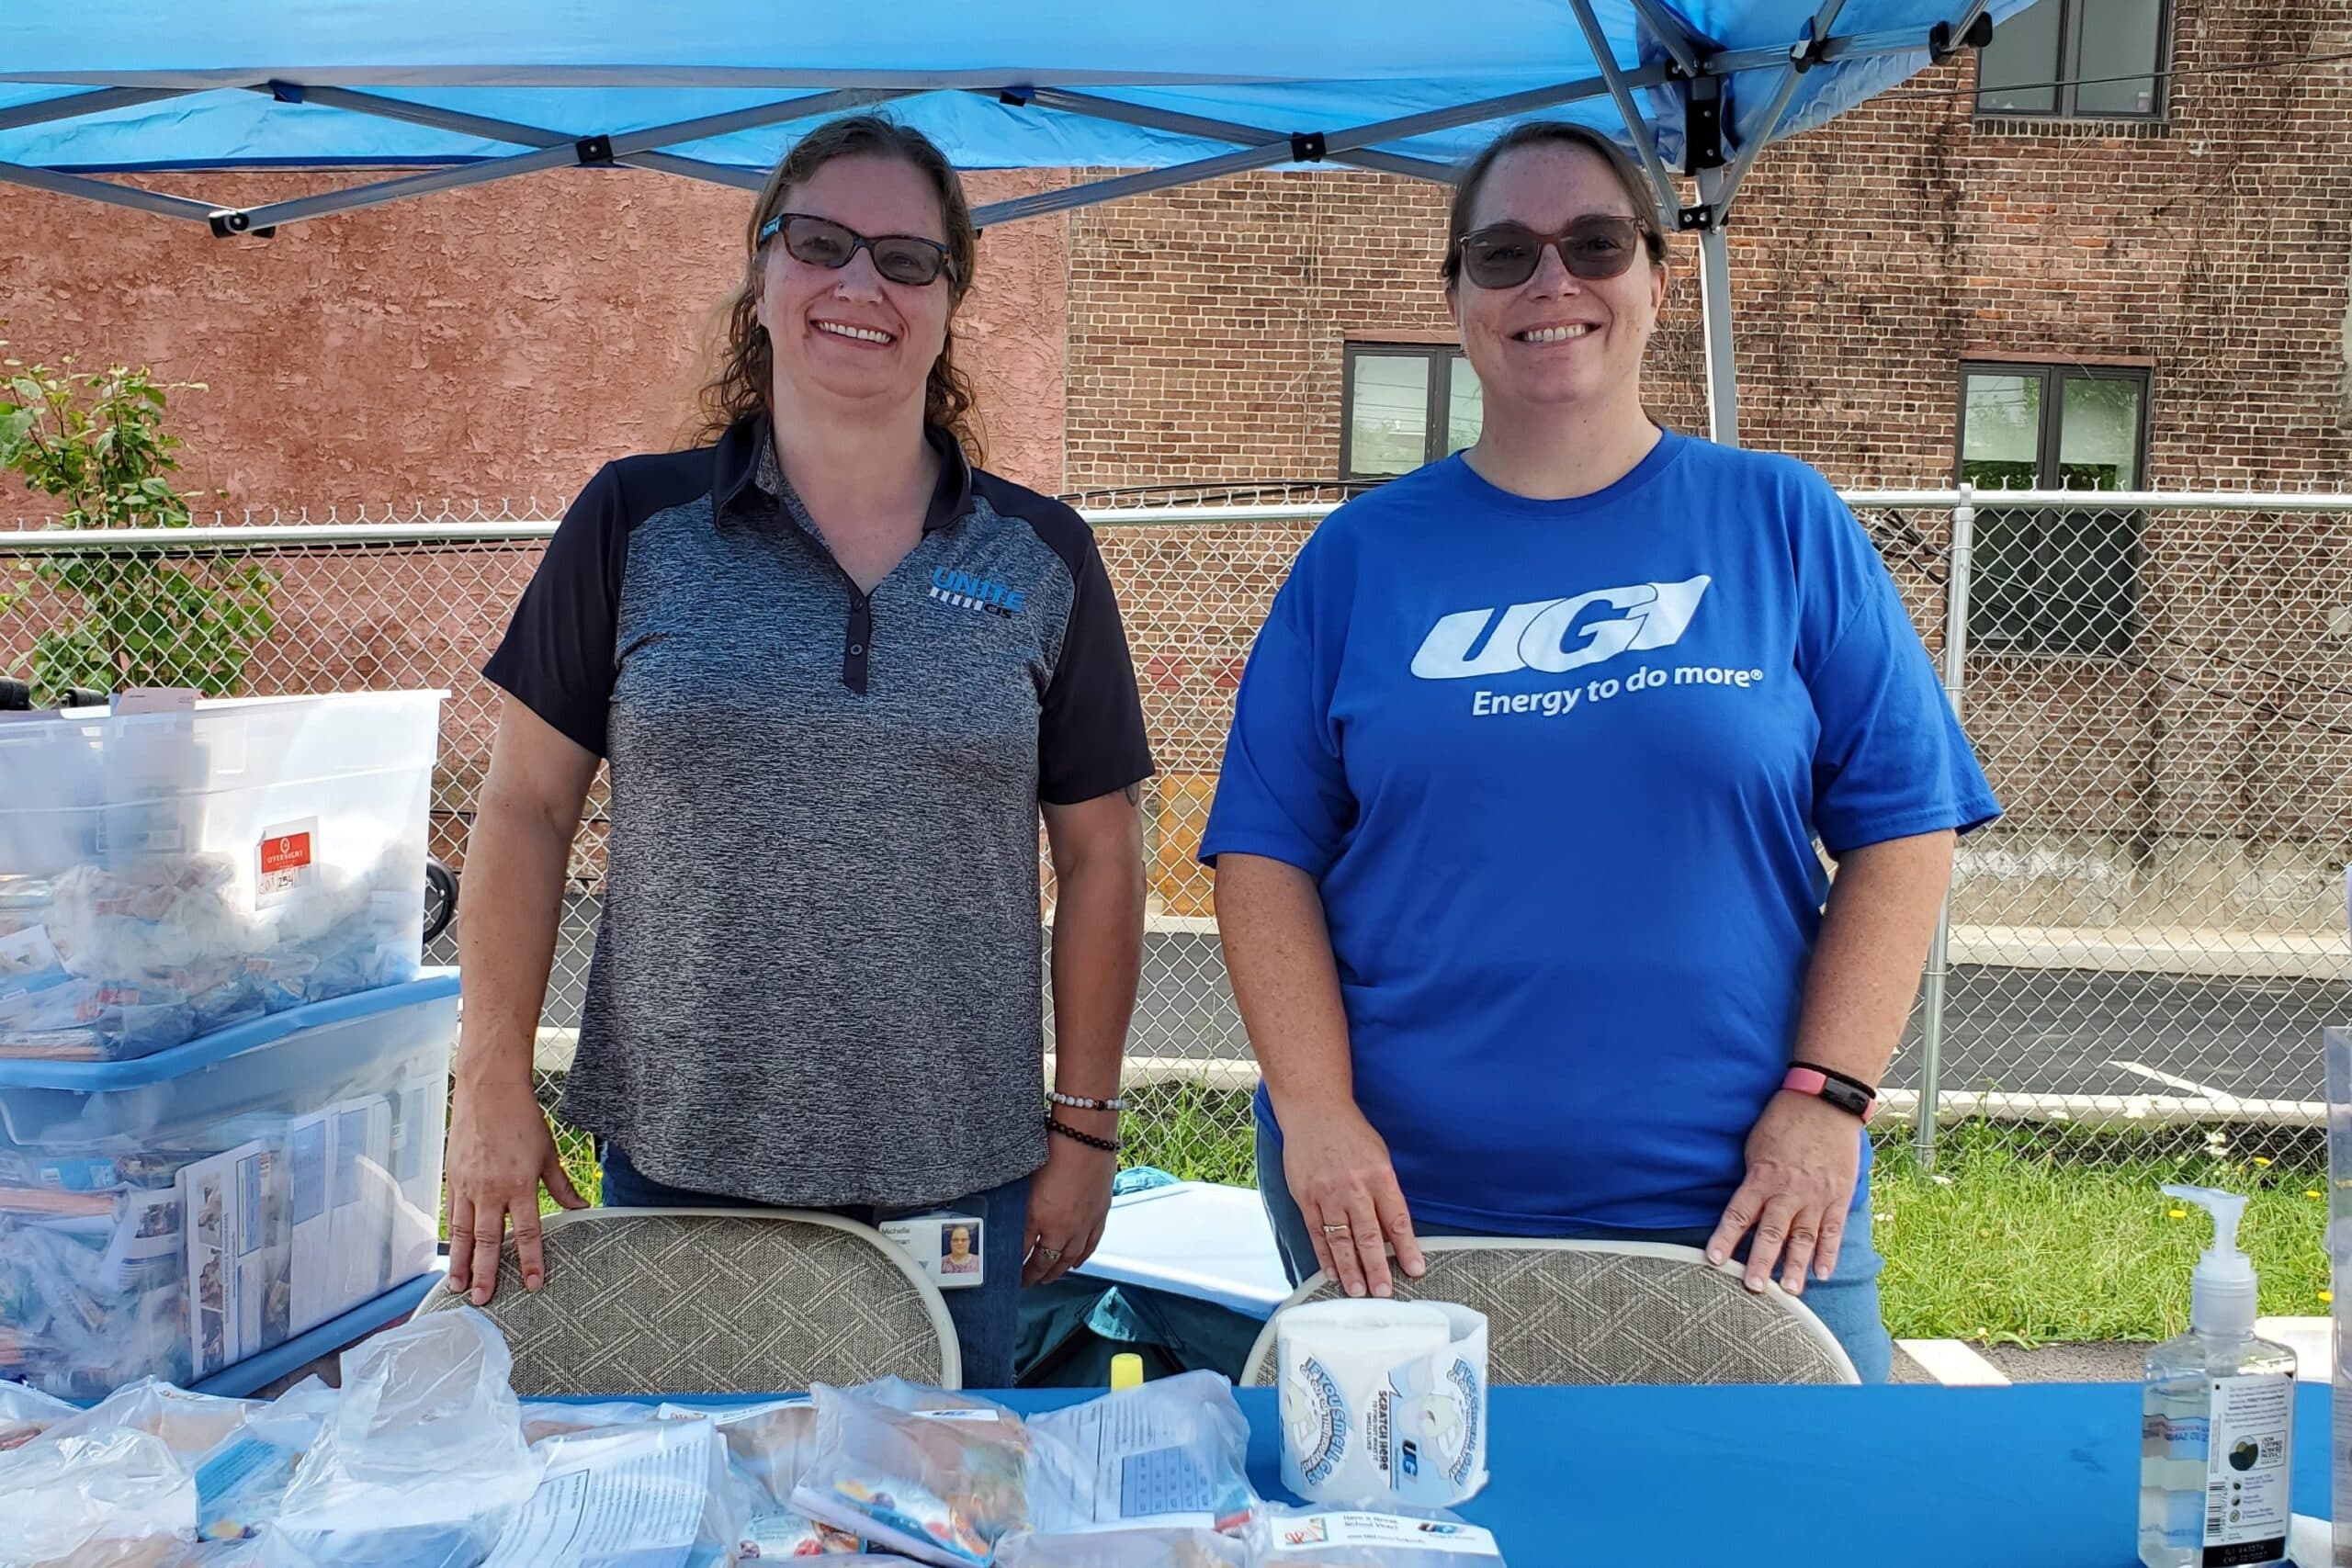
(175, 1215)
(163, 877)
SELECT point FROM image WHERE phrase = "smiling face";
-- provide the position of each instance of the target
(1556, 340)
(847, 332)
(959, 1242)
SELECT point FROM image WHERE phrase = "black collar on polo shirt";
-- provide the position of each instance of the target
(735, 470)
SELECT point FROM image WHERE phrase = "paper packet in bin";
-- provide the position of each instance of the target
(1352, 1537)
(936, 1476)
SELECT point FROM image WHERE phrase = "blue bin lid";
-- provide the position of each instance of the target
(429, 986)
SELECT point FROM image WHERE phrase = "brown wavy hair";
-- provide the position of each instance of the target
(738, 387)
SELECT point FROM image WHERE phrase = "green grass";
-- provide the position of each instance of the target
(2011, 1241)
(2019, 1235)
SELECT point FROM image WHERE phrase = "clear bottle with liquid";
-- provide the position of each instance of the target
(2217, 1419)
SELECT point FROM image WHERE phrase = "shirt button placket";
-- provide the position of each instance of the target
(857, 643)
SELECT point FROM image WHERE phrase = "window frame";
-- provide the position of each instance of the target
(1436, 415)
(2053, 375)
(2069, 66)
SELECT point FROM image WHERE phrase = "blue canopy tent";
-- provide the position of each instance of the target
(470, 91)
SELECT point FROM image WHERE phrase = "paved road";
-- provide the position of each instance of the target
(2031, 1031)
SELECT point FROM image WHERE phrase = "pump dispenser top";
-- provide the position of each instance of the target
(2222, 1290)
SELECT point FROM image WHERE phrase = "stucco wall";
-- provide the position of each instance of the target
(498, 342)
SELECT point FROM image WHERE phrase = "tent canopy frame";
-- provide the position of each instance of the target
(1688, 68)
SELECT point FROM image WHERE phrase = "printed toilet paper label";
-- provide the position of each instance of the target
(1384, 1403)
(1308, 1533)
(1431, 1418)
(1316, 1414)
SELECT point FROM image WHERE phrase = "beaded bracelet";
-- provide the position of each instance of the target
(1081, 1103)
(1107, 1146)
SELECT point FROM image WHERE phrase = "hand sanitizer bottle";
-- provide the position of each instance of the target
(2217, 1419)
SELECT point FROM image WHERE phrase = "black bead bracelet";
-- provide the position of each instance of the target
(1055, 1124)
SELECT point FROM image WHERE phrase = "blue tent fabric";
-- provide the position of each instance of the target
(582, 68)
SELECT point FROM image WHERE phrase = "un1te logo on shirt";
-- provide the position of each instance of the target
(966, 592)
(1537, 634)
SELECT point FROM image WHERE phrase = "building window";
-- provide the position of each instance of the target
(1405, 404)
(2052, 581)
(2076, 59)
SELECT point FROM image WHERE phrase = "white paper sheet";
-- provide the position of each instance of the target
(632, 1494)
(315, 1274)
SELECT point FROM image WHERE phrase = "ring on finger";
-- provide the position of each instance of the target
(1338, 1230)
(1050, 1254)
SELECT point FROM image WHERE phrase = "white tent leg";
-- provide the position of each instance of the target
(1714, 304)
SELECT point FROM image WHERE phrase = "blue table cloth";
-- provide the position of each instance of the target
(2039, 1476)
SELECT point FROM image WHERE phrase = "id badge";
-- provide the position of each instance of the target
(945, 1247)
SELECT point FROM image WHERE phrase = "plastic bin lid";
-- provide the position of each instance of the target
(429, 986)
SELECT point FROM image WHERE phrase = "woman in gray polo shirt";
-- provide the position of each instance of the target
(835, 669)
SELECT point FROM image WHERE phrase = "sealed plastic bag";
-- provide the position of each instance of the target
(940, 1477)
(94, 1499)
(545, 1418)
(770, 1446)
(628, 1496)
(27, 1413)
(190, 1425)
(1171, 1455)
(422, 1462)
(1126, 1549)
(1347, 1537)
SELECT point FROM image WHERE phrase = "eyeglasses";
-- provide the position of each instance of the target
(903, 258)
(1504, 255)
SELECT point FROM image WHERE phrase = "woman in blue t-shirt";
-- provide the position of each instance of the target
(1516, 839)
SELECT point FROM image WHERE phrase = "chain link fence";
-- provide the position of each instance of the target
(2143, 950)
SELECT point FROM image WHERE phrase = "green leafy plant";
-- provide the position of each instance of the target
(152, 616)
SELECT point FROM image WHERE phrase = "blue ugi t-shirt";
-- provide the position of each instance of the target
(1558, 767)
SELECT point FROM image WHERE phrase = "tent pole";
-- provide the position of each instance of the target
(1095, 107)
(1714, 305)
(1327, 146)
(1672, 36)
(107, 191)
(1800, 60)
(557, 154)
(1621, 89)
(52, 110)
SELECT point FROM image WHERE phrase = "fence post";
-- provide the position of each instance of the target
(1931, 1025)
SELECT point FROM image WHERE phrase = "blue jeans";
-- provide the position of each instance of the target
(1846, 1302)
(986, 1316)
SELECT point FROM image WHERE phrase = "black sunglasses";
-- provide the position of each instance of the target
(1504, 255)
(903, 258)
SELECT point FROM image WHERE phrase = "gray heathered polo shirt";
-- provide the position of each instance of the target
(818, 976)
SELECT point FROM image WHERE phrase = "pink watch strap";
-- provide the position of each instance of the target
(1809, 1080)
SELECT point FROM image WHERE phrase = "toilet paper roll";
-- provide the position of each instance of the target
(1383, 1402)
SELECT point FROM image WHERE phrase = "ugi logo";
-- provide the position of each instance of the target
(967, 591)
(1555, 635)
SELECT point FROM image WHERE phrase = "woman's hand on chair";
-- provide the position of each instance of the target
(1339, 1176)
(1802, 1159)
(501, 1150)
